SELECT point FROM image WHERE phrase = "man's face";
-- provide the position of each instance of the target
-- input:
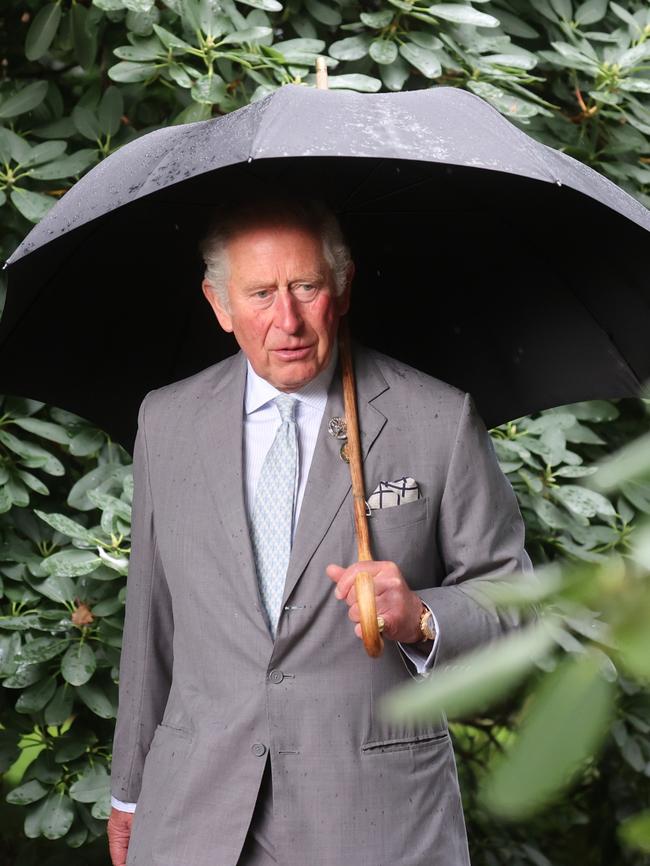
(283, 309)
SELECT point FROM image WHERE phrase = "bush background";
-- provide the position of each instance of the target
(78, 80)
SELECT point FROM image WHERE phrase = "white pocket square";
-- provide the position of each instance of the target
(390, 493)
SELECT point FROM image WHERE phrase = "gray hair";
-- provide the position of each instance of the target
(309, 213)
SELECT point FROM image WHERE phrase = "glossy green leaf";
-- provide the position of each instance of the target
(143, 50)
(425, 40)
(30, 792)
(78, 664)
(71, 562)
(23, 100)
(382, 51)
(461, 14)
(423, 59)
(39, 154)
(92, 784)
(87, 442)
(59, 708)
(111, 108)
(42, 31)
(170, 40)
(13, 147)
(351, 48)
(139, 5)
(70, 166)
(42, 649)
(266, 5)
(627, 17)
(97, 700)
(101, 808)
(563, 9)
(58, 587)
(395, 75)
(326, 13)
(251, 34)
(26, 674)
(472, 682)
(34, 698)
(565, 723)
(127, 72)
(32, 205)
(57, 815)
(379, 19)
(67, 526)
(83, 38)
(582, 501)
(209, 90)
(354, 81)
(590, 11)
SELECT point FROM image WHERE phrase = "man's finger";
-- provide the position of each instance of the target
(119, 833)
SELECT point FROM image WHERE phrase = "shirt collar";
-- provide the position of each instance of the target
(259, 392)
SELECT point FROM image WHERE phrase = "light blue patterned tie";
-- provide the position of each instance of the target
(272, 520)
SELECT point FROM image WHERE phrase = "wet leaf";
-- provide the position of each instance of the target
(34, 698)
(57, 815)
(23, 100)
(59, 708)
(92, 784)
(30, 792)
(565, 723)
(42, 31)
(33, 206)
(78, 664)
(461, 14)
(472, 682)
(424, 60)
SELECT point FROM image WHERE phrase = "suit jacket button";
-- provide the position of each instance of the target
(276, 676)
(258, 749)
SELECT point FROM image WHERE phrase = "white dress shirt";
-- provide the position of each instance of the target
(261, 422)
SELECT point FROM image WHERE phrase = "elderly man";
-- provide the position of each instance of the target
(248, 730)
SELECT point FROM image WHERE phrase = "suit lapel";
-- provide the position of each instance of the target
(329, 482)
(219, 429)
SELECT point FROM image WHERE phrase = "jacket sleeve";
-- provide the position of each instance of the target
(147, 655)
(481, 540)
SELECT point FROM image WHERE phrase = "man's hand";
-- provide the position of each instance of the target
(396, 602)
(119, 833)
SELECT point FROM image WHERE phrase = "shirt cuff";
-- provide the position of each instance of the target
(423, 663)
(122, 807)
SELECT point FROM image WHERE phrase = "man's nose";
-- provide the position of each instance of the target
(287, 312)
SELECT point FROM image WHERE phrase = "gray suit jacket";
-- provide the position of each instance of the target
(206, 696)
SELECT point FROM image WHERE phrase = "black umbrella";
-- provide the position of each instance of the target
(483, 257)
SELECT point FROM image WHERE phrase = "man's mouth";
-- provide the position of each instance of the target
(296, 353)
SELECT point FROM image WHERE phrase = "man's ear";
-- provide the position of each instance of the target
(344, 297)
(220, 311)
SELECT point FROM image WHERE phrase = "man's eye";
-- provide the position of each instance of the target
(306, 288)
(262, 293)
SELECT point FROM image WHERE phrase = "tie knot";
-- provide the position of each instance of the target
(286, 407)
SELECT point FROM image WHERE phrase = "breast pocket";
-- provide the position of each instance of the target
(404, 534)
(399, 516)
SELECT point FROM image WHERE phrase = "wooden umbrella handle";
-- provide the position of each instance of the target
(364, 584)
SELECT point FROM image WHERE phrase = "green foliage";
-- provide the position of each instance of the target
(588, 635)
(83, 77)
(62, 577)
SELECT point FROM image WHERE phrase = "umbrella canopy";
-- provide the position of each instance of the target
(483, 257)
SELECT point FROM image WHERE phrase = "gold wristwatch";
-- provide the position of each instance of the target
(427, 628)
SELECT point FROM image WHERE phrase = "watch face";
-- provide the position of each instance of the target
(429, 626)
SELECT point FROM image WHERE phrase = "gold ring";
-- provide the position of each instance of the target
(380, 623)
